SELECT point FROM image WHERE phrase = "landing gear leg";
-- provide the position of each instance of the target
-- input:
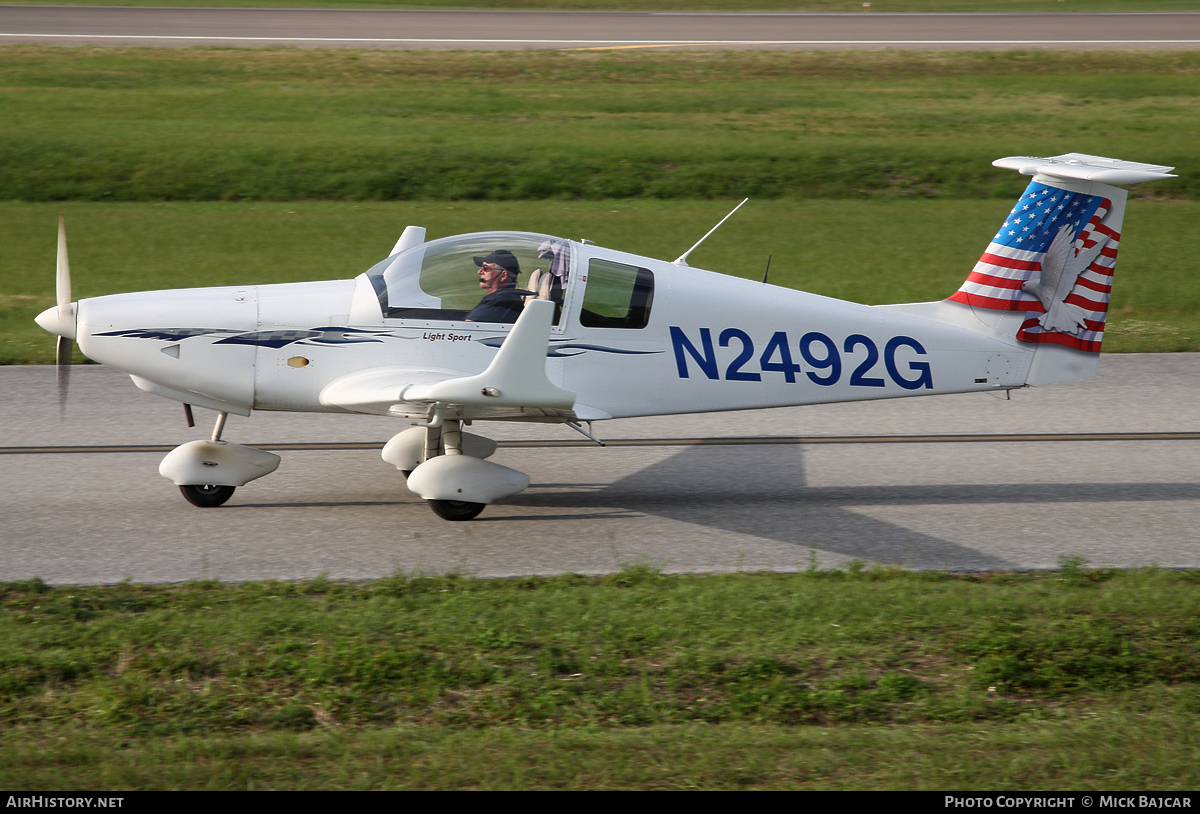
(452, 437)
(450, 441)
(432, 449)
(219, 427)
(433, 441)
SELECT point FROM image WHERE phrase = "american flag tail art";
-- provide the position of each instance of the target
(1053, 258)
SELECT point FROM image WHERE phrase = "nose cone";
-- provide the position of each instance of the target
(57, 322)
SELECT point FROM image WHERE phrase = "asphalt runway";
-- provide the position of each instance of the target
(1106, 470)
(488, 30)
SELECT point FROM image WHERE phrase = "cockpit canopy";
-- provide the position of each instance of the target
(440, 279)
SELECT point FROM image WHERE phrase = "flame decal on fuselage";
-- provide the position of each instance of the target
(329, 335)
(333, 335)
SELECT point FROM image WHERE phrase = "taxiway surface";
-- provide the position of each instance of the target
(487, 30)
(883, 481)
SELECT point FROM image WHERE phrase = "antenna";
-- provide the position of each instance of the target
(768, 271)
(682, 259)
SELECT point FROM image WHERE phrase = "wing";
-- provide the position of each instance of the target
(380, 390)
(514, 386)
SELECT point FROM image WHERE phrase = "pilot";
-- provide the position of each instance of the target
(502, 300)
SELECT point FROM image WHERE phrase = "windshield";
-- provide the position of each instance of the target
(481, 277)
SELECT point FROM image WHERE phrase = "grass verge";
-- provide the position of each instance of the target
(1099, 749)
(864, 678)
(128, 124)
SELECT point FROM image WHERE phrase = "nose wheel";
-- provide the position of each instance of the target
(208, 495)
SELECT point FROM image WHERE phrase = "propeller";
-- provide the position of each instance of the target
(60, 319)
(66, 314)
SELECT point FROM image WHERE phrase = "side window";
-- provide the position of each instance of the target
(617, 296)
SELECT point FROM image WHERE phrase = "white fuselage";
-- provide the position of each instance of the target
(712, 342)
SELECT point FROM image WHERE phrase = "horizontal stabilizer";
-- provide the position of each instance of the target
(1083, 167)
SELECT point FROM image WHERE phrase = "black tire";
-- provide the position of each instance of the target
(456, 509)
(207, 496)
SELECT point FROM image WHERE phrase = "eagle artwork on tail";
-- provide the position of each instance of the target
(1066, 258)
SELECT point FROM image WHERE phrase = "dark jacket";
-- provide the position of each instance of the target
(502, 306)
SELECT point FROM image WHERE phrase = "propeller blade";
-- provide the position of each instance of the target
(62, 278)
(62, 293)
(62, 370)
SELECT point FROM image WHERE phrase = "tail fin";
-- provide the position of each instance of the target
(1053, 257)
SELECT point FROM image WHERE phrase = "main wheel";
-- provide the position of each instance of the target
(208, 495)
(456, 509)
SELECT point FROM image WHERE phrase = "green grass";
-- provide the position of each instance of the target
(866, 251)
(865, 678)
(1147, 743)
(837, 6)
(120, 124)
